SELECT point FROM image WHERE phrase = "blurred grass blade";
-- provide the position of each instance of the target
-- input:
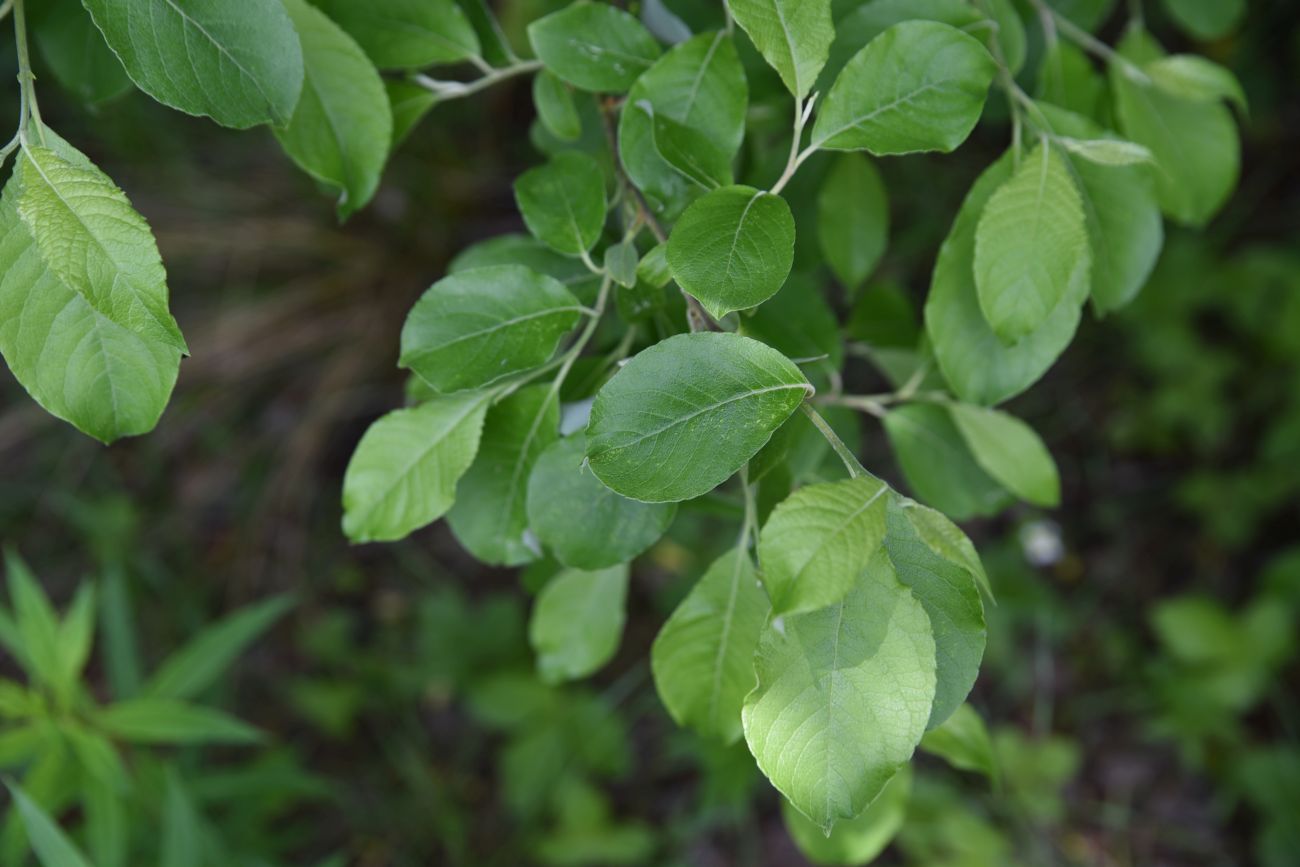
(198, 664)
(52, 847)
(182, 833)
(166, 721)
(76, 634)
(121, 653)
(38, 627)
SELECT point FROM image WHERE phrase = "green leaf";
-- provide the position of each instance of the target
(794, 36)
(703, 657)
(482, 325)
(1194, 143)
(699, 84)
(76, 634)
(868, 20)
(406, 34)
(1009, 31)
(76, 52)
(563, 202)
(852, 220)
(91, 238)
(594, 46)
(919, 86)
(946, 540)
(817, 543)
(1009, 451)
(1123, 216)
(235, 61)
(942, 581)
(1031, 240)
(963, 742)
(167, 721)
(403, 474)
(182, 837)
(52, 846)
(653, 267)
(1068, 79)
(583, 523)
(197, 665)
(733, 248)
(490, 516)
(843, 697)
(409, 103)
(621, 262)
(976, 364)
(1192, 77)
(682, 416)
(555, 107)
(798, 323)
(1107, 151)
(577, 622)
(341, 130)
(860, 839)
(691, 153)
(531, 253)
(1206, 19)
(107, 828)
(938, 465)
(96, 755)
(38, 625)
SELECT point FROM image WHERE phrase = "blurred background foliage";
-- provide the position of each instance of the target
(1141, 678)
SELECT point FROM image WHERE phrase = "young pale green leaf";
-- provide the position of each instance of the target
(594, 46)
(1107, 151)
(577, 622)
(182, 841)
(36, 623)
(52, 846)
(94, 241)
(341, 129)
(167, 721)
(852, 220)
(1192, 77)
(816, 544)
(563, 202)
(235, 61)
(976, 364)
(1031, 240)
(919, 86)
(1206, 19)
(733, 248)
(481, 325)
(703, 658)
(963, 742)
(682, 416)
(1194, 143)
(583, 523)
(858, 840)
(794, 36)
(490, 516)
(946, 588)
(197, 665)
(945, 539)
(403, 474)
(1010, 451)
(76, 52)
(406, 34)
(555, 106)
(938, 465)
(621, 262)
(843, 697)
(699, 84)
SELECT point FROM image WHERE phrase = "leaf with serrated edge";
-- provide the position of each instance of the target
(236, 61)
(481, 325)
(682, 416)
(491, 511)
(919, 86)
(403, 474)
(843, 696)
(816, 543)
(1030, 241)
(794, 36)
(703, 658)
(563, 202)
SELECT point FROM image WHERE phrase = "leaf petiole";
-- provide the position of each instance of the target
(851, 462)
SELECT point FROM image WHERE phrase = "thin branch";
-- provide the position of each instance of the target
(457, 89)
